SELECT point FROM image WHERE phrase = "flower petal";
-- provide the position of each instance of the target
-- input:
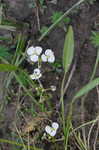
(53, 133)
(38, 50)
(53, 88)
(55, 125)
(34, 58)
(51, 59)
(32, 76)
(35, 76)
(30, 50)
(38, 76)
(44, 58)
(48, 52)
(37, 71)
(48, 129)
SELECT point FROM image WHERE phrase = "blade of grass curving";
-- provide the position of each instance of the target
(85, 124)
(68, 51)
(60, 19)
(80, 142)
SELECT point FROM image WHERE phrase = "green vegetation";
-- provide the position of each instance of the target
(95, 39)
(57, 15)
(4, 52)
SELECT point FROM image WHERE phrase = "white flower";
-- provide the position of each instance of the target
(52, 130)
(48, 56)
(44, 58)
(34, 58)
(55, 125)
(38, 50)
(53, 88)
(30, 50)
(36, 74)
(48, 52)
(33, 53)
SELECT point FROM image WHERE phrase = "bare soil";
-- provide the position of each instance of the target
(83, 21)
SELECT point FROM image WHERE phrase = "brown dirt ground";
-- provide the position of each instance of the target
(83, 23)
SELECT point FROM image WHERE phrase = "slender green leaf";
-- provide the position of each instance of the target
(19, 49)
(87, 88)
(1, 13)
(8, 67)
(4, 52)
(68, 51)
(9, 28)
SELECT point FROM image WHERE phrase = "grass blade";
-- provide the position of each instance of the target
(17, 144)
(68, 51)
(4, 52)
(87, 88)
(9, 28)
(8, 67)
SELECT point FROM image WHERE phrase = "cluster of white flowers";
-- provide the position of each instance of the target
(34, 54)
(52, 130)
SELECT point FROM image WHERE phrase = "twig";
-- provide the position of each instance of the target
(37, 14)
(89, 134)
(70, 77)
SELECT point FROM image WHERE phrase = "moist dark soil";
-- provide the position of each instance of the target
(84, 21)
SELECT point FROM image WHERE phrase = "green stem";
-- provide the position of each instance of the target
(95, 66)
(62, 101)
(60, 19)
